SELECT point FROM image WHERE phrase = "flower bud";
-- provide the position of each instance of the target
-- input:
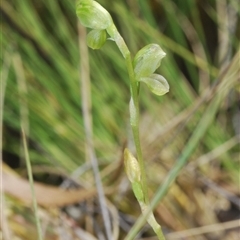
(132, 167)
(93, 15)
(156, 83)
(147, 60)
(96, 38)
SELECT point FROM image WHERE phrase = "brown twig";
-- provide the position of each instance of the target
(87, 118)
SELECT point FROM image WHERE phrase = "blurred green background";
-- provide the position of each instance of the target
(40, 57)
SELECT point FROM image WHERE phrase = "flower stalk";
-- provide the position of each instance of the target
(141, 69)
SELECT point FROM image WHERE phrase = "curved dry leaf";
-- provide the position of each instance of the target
(46, 196)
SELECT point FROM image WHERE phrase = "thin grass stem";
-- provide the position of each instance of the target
(30, 176)
(3, 81)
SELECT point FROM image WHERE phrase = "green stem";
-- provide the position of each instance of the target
(152, 221)
(134, 120)
(134, 113)
(181, 161)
